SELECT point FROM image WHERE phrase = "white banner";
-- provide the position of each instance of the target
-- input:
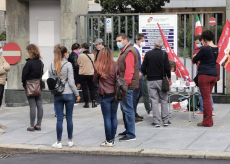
(148, 26)
(108, 25)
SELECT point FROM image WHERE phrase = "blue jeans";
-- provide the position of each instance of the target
(109, 111)
(128, 114)
(96, 89)
(137, 93)
(201, 100)
(59, 102)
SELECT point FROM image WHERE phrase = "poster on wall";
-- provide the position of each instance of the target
(148, 26)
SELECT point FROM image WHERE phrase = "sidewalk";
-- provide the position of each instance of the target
(181, 139)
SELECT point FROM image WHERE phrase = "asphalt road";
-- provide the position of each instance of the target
(99, 159)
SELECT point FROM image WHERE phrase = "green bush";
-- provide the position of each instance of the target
(3, 36)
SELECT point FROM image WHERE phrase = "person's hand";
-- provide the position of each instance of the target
(78, 98)
(198, 62)
(140, 75)
(170, 82)
(146, 77)
(194, 55)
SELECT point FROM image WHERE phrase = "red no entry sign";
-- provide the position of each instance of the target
(212, 21)
(12, 53)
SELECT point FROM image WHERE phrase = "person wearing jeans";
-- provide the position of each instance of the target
(128, 64)
(64, 69)
(105, 74)
(207, 74)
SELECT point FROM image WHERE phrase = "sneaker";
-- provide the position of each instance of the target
(167, 124)
(198, 113)
(138, 119)
(122, 134)
(70, 143)
(125, 138)
(2, 126)
(2, 131)
(156, 125)
(150, 115)
(57, 145)
(106, 144)
(113, 142)
(76, 103)
(213, 114)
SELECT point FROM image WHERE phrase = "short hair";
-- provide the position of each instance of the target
(75, 46)
(139, 37)
(207, 35)
(122, 35)
(158, 42)
(172, 65)
(85, 46)
(198, 37)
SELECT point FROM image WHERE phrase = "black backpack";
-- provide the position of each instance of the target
(121, 88)
(55, 84)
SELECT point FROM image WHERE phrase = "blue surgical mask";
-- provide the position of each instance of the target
(99, 49)
(120, 45)
(1, 51)
(199, 45)
(67, 57)
(80, 51)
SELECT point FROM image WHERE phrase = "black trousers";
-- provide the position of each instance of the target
(87, 82)
(1, 93)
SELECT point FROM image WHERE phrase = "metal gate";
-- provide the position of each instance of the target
(92, 26)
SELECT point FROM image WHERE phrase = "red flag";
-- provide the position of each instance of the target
(181, 71)
(224, 47)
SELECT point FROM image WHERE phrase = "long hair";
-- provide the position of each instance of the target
(59, 52)
(33, 51)
(104, 62)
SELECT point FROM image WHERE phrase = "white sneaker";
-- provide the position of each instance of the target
(57, 145)
(107, 144)
(70, 143)
(150, 114)
(213, 114)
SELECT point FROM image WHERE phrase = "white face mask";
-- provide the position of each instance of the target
(1, 51)
(142, 44)
(27, 54)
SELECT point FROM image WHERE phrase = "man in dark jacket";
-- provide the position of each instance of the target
(98, 46)
(154, 67)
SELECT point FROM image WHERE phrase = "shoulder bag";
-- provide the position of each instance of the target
(165, 82)
(33, 87)
(89, 59)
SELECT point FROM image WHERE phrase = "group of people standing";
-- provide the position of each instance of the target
(97, 72)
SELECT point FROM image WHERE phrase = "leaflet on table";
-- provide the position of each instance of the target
(148, 26)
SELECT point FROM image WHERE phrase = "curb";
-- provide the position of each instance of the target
(41, 149)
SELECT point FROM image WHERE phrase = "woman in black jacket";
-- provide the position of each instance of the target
(73, 60)
(33, 69)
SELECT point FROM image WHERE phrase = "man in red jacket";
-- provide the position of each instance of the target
(198, 42)
(128, 64)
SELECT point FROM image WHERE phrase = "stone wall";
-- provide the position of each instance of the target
(2, 21)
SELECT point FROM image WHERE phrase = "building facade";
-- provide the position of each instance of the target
(2, 16)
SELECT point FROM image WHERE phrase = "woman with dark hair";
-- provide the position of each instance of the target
(73, 60)
(207, 74)
(33, 69)
(105, 74)
(62, 68)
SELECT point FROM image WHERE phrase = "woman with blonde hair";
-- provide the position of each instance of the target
(32, 70)
(62, 68)
(105, 74)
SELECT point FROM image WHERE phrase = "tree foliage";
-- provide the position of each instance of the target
(131, 6)
(3, 36)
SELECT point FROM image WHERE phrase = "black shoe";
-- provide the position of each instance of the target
(125, 138)
(122, 134)
(30, 129)
(167, 124)
(36, 128)
(86, 105)
(156, 125)
(137, 115)
(94, 104)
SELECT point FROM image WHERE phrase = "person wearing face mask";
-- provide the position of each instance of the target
(199, 45)
(128, 64)
(4, 67)
(98, 46)
(137, 93)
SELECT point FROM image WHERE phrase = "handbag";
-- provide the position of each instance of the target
(90, 59)
(196, 80)
(165, 82)
(33, 87)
